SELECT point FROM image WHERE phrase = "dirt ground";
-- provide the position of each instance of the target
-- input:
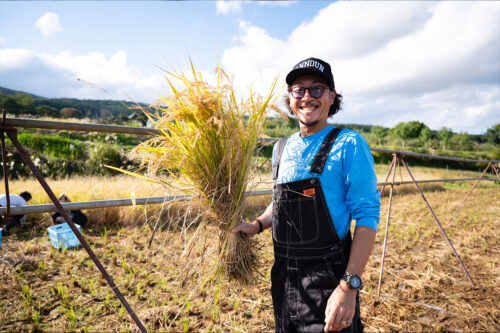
(424, 287)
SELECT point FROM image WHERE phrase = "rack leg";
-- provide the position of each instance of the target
(439, 224)
(387, 227)
(13, 137)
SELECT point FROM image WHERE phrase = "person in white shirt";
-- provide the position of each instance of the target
(15, 200)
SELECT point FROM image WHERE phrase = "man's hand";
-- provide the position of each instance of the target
(342, 303)
(248, 229)
(340, 308)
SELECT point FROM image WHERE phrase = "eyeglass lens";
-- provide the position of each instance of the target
(315, 92)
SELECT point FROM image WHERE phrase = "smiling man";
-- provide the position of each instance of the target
(323, 179)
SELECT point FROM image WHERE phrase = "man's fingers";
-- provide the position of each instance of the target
(327, 317)
(239, 227)
(327, 312)
(336, 326)
(330, 319)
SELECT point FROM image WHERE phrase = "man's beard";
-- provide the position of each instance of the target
(312, 123)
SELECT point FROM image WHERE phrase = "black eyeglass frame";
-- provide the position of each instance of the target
(303, 90)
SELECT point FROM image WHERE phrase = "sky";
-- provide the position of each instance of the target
(434, 62)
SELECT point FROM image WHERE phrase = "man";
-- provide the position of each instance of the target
(323, 178)
(76, 215)
(15, 200)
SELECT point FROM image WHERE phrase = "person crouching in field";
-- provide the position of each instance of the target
(76, 215)
(15, 200)
(323, 178)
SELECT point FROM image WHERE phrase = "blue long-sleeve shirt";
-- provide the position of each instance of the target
(348, 179)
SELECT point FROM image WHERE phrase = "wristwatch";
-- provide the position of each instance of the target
(353, 281)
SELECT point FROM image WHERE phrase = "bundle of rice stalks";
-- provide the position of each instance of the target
(206, 146)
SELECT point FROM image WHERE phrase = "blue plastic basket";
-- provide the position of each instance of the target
(62, 237)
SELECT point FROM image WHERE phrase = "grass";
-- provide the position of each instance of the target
(424, 288)
(53, 145)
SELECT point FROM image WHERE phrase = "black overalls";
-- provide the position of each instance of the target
(309, 257)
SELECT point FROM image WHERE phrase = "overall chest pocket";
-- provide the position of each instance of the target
(297, 221)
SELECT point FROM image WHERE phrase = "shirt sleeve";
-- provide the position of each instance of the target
(362, 195)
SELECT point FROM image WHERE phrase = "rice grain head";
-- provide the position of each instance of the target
(207, 145)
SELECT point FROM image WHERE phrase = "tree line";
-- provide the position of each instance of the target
(404, 134)
(20, 103)
(411, 135)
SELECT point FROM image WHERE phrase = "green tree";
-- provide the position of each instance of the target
(426, 134)
(445, 135)
(380, 132)
(463, 140)
(49, 111)
(493, 134)
(70, 113)
(26, 102)
(408, 130)
(11, 105)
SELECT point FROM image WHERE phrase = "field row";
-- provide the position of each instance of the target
(424, 288)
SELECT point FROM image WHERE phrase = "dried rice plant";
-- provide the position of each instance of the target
(206, 147)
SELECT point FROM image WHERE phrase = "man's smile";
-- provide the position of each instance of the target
(309, 108)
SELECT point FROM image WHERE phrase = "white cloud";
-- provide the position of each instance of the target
(276, 3)
(48, 24)
(14, 58)
(2, 40)
(393, 61)
(225, 7)
(91, 75)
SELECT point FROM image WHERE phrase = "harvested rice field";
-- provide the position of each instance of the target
(424, 288)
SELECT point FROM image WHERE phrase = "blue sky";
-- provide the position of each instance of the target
(438, 63)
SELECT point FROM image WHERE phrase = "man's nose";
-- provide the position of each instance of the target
(307, 95)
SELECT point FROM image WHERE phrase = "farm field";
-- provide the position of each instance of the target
(88, 188)
(424, 288)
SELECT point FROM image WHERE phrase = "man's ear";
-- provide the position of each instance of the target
(332, 95)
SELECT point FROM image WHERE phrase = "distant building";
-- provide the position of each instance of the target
(139, 117)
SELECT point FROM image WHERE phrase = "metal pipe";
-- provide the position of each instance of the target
(44, 208)
(440, 157)
(59, 125)
(82, 127)
(33, 209)
(468, 193)
(445, 180)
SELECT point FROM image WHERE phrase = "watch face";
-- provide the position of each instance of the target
(355, 282)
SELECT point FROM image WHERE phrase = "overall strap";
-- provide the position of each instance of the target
(322, 155)
(280, 146)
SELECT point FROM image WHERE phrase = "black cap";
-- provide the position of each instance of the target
(312, 66)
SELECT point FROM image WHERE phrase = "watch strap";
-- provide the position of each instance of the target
(261, 227)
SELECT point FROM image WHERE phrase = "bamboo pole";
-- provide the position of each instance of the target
(382, 259)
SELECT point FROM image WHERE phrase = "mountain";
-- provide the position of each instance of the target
(20, 102)
(10, 92)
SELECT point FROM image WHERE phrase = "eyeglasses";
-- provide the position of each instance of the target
(314, 92)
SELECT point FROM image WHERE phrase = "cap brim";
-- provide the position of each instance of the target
(294, 74)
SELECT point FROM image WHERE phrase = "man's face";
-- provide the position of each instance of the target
(310, 111)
